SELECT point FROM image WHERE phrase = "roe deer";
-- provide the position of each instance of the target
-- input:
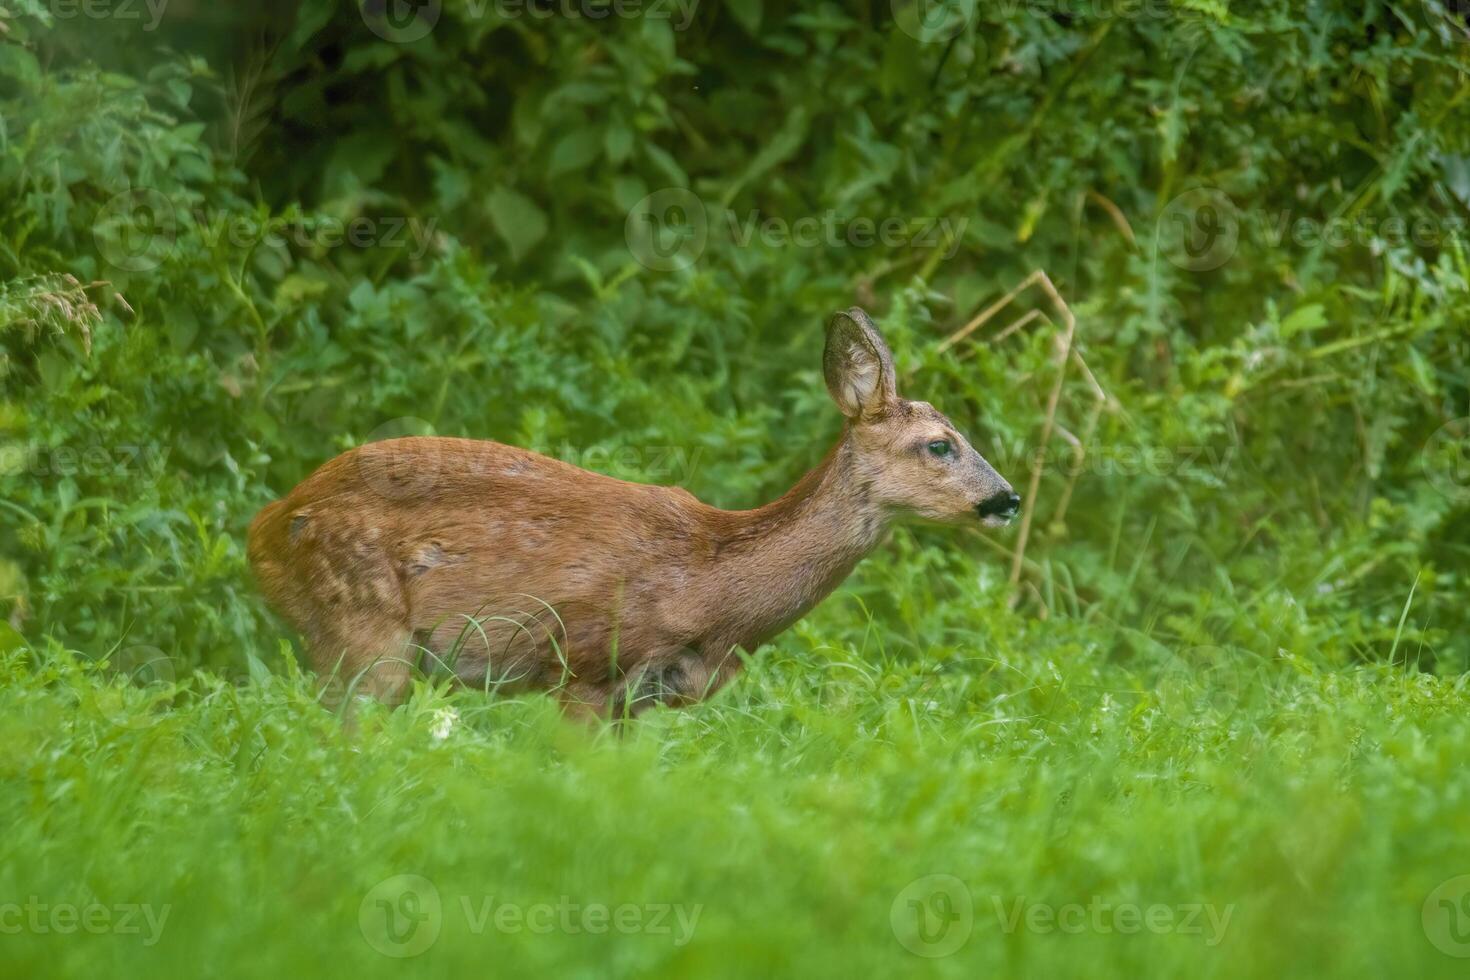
(519, 571)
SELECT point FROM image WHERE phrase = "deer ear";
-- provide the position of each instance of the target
(857, 365)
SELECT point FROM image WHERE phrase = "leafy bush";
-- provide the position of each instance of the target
(221, 267)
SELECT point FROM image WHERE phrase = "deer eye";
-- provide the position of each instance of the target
(941, 448)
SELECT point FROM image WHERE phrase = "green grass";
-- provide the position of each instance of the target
(1303, 809)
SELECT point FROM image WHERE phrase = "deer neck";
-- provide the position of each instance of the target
(776, 562)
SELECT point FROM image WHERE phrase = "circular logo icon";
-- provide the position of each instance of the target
(1447, 460)
(401, 21)
(1446, 915)
(667, 230)
(398, 470)
(136, 230)
(932, 20)
(1203, 684)
(401, 916)
(130, 668)
(1199, 229)
(933, 916)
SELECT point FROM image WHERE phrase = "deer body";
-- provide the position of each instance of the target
(513, 570)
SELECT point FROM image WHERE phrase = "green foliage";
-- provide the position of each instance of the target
(347, 233)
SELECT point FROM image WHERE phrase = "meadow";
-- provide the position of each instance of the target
(1192, 277)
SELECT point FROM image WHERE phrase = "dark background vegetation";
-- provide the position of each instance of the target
(1268, 474)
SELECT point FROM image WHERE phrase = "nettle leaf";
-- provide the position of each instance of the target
(786, 141)
(370, 57)
(747, 14)
(1404, 162)
(452, 185)
(903, 69)
(659, 33)
(1457, 175)
(574, 151)
(1304, 319)
(18, 63)
(617, 142)
(311, 17)
(517, 220)
(628, 190)
(667, 164)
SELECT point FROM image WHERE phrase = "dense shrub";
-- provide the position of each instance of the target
(1257, 216)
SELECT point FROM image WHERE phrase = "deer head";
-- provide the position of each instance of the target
(914, 460)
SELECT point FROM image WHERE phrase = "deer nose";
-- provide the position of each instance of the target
(1005, 504)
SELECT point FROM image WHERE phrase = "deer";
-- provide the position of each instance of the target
(512, 571)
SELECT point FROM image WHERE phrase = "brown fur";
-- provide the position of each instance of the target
(517, 571)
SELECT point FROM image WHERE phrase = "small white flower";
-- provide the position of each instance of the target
(444, 721)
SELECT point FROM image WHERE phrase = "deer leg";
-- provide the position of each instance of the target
(372, 660)
(583, 701)
(657, 683)
(676, 680)
(715, 666)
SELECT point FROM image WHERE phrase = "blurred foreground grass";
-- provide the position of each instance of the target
(1215, 813)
